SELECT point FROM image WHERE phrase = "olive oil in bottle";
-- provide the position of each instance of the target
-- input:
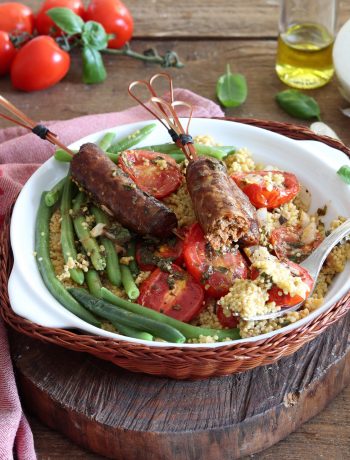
(304, 56)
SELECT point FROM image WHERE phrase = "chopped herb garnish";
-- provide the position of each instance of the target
(282, 220)
(295, 244)
(171, 282)
(222, 269)
(322, 211)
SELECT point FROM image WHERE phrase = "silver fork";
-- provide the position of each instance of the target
(313, 265)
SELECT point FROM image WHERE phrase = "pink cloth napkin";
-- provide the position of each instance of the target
(21, 153)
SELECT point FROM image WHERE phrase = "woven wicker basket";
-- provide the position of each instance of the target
(176, 362)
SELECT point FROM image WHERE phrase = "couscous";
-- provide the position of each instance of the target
(234, 284)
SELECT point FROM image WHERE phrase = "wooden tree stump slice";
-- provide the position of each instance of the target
(130, 416)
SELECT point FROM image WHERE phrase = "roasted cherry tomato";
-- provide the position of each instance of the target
(276, 294)
(7, 52)
(264, 195)
(226, 321)
(175, 294)
(45, 25)
(115, 18)
(39, 64)
(149, 256)
(154, 173)
(287, 243)
(215, 271)
(16, 18)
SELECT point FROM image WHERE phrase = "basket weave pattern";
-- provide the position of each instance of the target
(176, 362)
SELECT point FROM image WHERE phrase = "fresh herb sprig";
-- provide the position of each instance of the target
(92, 38)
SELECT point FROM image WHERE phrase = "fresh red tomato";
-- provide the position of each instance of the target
(16, 18)
(115, 18)
(7, 52)
(226, 321)
(276, 294)
(263, 196)
(154, 173)
(148, 256)
(287, 243)
(175, 294)
(39, 64)
(216, 271)
(45, 25)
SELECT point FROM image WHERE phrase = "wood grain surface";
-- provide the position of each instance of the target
(128, 416)
(206, 35)
(223, 19)
(255, 59)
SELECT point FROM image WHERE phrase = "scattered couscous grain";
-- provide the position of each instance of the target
(142, 276)
(240, 161)
(205, 140)
(180, 203)
(125, 260)
(247, 299)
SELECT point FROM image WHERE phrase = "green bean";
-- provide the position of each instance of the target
(112, 262)
(88, 242)
(168, 148)
(94, 283)
(178, 157)
(53, 195)
(67, 234)
(106, 141)
(113, 156)
(219, 152)
(104, 144)
(128, 282)
(42, 249)
(131, 252)
(127, 318)
(189, 331)
(132, 139)
(132, 332)
(63, 156)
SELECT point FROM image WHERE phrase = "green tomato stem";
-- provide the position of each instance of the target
(170, 59)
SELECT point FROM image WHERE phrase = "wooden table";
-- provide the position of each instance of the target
(206, 35)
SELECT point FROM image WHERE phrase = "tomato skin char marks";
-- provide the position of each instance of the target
(216, 271)
(155, 173)
(268, 189)
(173, 293)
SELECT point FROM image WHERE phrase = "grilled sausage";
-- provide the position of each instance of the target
(222, 209)
(113, 190)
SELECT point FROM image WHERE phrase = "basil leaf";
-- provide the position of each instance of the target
(66, 20)
(298, 104)
(231, 89)
(94, 35)
(93, 68)
(344, 174)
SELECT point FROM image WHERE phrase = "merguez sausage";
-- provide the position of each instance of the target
(222, 209)
(114, 191)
